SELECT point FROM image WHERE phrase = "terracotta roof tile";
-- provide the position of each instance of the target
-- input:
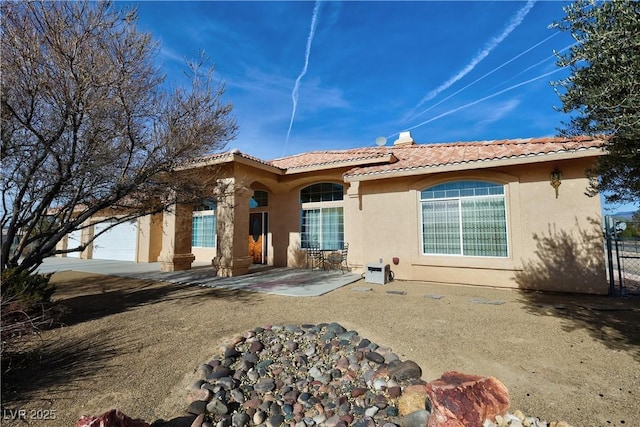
(227, 156)
(321, 158)
(389, 159)
(430, 155)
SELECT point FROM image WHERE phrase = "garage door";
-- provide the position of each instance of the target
(119, 243)
(73, 241)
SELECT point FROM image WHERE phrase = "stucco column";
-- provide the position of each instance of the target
(232, 229)
(353, 226)
(177, 225)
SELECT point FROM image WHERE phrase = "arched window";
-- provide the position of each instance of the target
(322, 192)
(322, 216)
(464, 218)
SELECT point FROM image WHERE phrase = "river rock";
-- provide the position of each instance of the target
(416, 419)
(411, 401)
(375, 357)
(406, 370)
(197, 407)
(217, 407)
(240, 419)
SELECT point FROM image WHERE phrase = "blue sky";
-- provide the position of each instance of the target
(306, 75)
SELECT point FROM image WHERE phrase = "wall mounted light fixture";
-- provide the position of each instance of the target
(556, 177)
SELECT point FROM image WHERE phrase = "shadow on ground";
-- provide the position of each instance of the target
(574, 260)
(614, 321)
(49, 365)
(91, 297)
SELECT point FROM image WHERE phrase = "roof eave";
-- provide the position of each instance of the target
(386, 158)
(234, 157)
(478, 164)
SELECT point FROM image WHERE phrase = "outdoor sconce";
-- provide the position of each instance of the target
(556, 177)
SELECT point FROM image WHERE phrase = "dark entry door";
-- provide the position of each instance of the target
(258, 227)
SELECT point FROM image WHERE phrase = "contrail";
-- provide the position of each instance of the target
(482, 77)
(515, 22)
(534, 65)
(477, 101)
(296, 86)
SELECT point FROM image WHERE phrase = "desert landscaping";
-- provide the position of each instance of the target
(137, 345)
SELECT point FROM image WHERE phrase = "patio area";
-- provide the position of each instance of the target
(278, 281)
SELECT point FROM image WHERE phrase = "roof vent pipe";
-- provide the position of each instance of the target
(404, 138)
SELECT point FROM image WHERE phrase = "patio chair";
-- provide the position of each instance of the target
(315, 257)
(338, 259)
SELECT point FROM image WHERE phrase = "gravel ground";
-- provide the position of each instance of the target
(136, 345)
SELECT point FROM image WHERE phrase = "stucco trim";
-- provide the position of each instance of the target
(431, 180)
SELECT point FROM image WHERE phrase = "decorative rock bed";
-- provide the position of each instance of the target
(324, 375)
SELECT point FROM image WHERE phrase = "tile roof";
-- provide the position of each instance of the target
(333, 157)
(422, 156)
(226, 155)
(385, 160)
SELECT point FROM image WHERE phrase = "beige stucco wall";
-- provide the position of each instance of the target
(284, 211)
(149, 238)
(562, 237)
(554, 243)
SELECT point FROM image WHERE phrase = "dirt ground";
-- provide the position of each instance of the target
(134, 345)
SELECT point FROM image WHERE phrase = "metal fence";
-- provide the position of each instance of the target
(623, 258)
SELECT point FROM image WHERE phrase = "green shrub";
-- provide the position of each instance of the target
(26, 289)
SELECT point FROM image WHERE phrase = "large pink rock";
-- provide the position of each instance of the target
(463, 400)
(112, 418)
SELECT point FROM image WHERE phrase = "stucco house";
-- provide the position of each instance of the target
(503, 213)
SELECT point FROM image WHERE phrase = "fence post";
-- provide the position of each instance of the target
(608, 227)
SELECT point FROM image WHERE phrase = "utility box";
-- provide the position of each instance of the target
(377, 273)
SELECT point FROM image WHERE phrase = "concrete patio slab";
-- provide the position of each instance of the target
(278, 281)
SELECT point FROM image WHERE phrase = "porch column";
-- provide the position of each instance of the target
(354, 230)
(177, 224)
(232, 229)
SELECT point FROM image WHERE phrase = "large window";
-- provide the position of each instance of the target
(204, 225)
(322, 216)
(464, 218)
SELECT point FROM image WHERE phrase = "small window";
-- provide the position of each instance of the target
(322, 192)
(260, 199)
(206, 205)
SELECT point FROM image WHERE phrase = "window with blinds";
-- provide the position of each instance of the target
(322, 216)
(464, 218)
(203, 232)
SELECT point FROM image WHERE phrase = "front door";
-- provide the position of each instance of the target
(258, 224)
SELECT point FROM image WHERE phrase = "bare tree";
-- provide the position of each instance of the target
(89, 125)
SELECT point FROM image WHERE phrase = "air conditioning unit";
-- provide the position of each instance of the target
(377, 273)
